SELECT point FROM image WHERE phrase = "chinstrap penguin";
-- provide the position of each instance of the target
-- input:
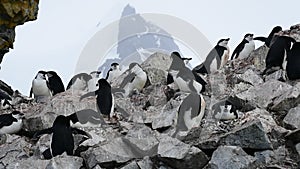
(183, 77)
(293, 62)
(244, 49)
(216, 58)
(276, 57)
(40, 86)
(55, 83)
(104, 98)
(268, 39)
(190, 114)
(225, 110)
(62, 137)
(135, 80)
(93, 82)
(113, 73)
(79, 82)
(11, 123)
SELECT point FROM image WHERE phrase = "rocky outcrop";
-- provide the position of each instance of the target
(12, 14)
(142, 132)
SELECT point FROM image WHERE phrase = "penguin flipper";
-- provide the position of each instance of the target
(41, 132)
(78, 131)
(260, 38)
(88, 95)
(30, 94)
(238, 49)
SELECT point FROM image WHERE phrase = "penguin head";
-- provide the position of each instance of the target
(249, 36)
(41, 75)
(17, 115)
(114, 66)
(95, 74)
(103, 84)
(276, 29)
(51, 74)
(223, 42)
(135, 68)
(61, 121)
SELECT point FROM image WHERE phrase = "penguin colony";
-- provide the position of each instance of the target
(284, 53)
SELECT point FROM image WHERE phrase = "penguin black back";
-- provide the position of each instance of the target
(268, 40)
(276, 54)
(104, 97)
(62, 138)
(55, 83)
(293, 62)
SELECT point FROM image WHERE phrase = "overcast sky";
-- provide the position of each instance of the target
(55, 40)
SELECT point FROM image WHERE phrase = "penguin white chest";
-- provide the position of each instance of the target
(79, 84)
(139, 81)
(92, 85)
(40, 88)
(248, 48)
(214, 65)
(13, 128)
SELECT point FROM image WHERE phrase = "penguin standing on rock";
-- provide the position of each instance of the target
(183, 77)
(268, 40)
(40, 86)
(11, 123)
(276, 57)
(104, 97)
(293, 62)
(216, 58)
(135, 80)
(79, 82)
(55, 83)
(113, 73)
(93, 82)
(244, 49)
(190, 114)
(62, 137)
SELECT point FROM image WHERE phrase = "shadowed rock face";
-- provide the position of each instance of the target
(12, 14)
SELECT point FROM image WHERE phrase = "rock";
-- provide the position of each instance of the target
(132, 165)
(59, 162)
(64, 103)
(292, 119)
(180, 155)
(294, 136)
(143, 139)
(14, 13)
(145, 163)
(231, 157)
(250, 77)
(138, 143)
(156, 76)
(264, 157)
(263, 95)
(277, 75)
(63, 162)
(113, 154)
(158, 60)
(15, 149)
(288, 100)
(218, 83)
(259, 57)
(249, 136)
